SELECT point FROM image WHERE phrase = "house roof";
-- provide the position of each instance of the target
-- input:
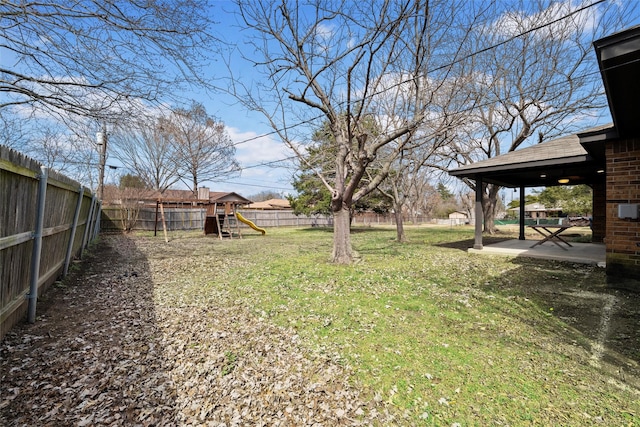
(270, 204)
(175, 195)
(223, 197)
(541, 164)
(113, 193)
(619, 60)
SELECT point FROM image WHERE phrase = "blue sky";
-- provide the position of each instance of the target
(243, 125)
(256, 143)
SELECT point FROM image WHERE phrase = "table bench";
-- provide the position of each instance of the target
(551, 233)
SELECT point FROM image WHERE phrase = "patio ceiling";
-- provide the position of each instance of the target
(578, 158)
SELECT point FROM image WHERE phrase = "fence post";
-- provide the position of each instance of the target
(72, 237)
(87, 226)
(37, 244)
(96, 224)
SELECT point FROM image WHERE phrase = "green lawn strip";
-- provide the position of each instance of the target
(447, 336)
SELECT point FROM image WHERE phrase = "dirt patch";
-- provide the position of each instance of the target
(601, 324)
(110, 347)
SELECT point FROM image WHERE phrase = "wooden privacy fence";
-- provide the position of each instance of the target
(46, 219)
(285, 218)
(115, 217)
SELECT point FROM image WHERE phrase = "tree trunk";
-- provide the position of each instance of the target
(489, 204)
(399, 225)
(342, 253)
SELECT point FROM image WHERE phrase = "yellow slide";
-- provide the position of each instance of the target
(250, 224)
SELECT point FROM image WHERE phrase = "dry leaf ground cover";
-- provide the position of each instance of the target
(263, 331)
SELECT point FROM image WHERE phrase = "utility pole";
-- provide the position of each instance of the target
(102, 143)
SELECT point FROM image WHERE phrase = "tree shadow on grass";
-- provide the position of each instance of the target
(463, 245)
(92, 357)
(603, 322)
(354, 230)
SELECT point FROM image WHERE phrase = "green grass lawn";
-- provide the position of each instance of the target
(444, 337)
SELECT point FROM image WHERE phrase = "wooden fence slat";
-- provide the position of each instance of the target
(16, 239)
(17, 169)
(72, 237)
(34, 251)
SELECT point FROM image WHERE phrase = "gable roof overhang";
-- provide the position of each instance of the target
(619, 62)
(577, 157)
(227, 197)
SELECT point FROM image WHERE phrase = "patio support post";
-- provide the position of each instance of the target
(522, 203)
(479, 216)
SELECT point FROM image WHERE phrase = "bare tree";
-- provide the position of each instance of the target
(410, 171)
(535, 78)
(91, 58)
(203, 148)
(51, 148)
(146, 149)
(127, 198)
(12, 131)
(347, 63)
(49, 143)
(408, 176)
(265, 195)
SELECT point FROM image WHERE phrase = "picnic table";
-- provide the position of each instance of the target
(551, 233)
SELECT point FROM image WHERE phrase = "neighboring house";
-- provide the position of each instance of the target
(116, 196)
(271, 204)
(537, 211)
(458, 215)
(220, 217)
(113, 195)
(607, 158)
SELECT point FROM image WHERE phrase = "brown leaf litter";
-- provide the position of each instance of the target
(114, 346)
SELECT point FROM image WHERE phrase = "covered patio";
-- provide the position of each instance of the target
(570, 160)
(607, 158)
(581, 253)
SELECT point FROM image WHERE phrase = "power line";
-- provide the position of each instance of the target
(255, 185)
(512, 38)
(273, 162)
(434, 119)
(442, 67)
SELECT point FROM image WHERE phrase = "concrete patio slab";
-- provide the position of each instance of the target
(584, 253)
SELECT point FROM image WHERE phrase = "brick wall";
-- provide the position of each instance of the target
(622, 235)
(599, 203)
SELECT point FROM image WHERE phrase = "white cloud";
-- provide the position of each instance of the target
(324, 31)
(260, 156)
(512, 23)
(257, 148)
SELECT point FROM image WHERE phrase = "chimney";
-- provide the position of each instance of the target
(203, 193)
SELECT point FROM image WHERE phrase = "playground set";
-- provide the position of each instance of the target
(222, 218)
